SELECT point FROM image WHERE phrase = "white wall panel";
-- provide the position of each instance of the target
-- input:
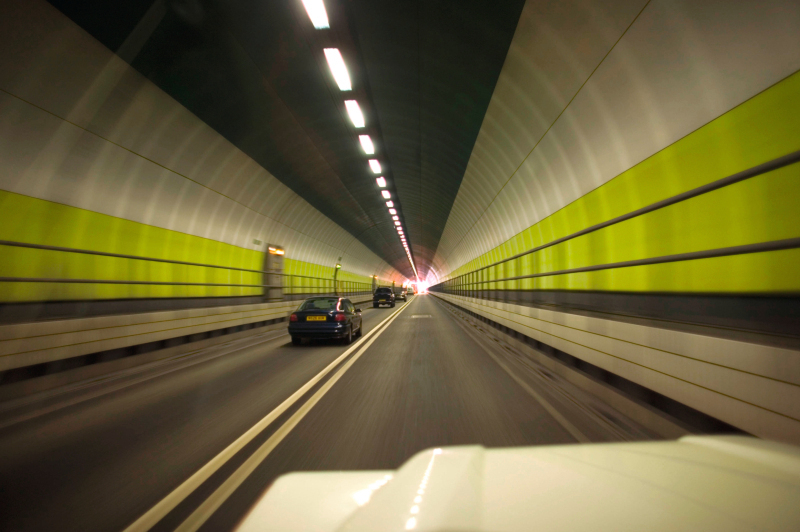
(680, 65)
(82, 128)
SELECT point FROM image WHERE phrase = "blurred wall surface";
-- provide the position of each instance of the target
(604, 107)
(96, 158)
(636, 183)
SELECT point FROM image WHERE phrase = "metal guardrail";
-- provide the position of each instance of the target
(469, 283)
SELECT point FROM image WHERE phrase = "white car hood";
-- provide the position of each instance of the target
(703, 483)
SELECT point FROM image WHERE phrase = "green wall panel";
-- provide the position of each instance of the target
(758, 210)
(35, 221)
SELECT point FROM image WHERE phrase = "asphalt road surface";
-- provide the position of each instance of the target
(191, 443)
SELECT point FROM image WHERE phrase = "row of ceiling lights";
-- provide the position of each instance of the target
(319, 18)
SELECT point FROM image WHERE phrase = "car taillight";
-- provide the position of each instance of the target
(293, 317)
(339, 317)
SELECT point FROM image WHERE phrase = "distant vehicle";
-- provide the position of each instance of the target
(325, 318)
(696, 483)
(411, 290)
(401, 293)
(383, 296)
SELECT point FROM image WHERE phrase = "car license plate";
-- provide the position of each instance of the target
(315, 318)
(383, 301)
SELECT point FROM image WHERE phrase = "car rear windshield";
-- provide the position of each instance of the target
(383, 291)
(319, 304)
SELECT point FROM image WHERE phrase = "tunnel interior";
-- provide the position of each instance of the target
(607, 188)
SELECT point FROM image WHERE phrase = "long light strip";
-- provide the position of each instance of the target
(366, 143)
(317, 14)
(319, 17)
(338, 68)
(355, 113)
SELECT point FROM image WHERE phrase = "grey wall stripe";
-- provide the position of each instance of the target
(119, 256)
(149, 259)
(774, 245)
(103, 281)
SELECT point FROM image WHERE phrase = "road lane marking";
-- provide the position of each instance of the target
(553, 411)
(226, 489)
(168, 503)
(238, 344)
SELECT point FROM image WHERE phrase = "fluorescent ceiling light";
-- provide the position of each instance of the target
(390, 204)
(392, 211)
(395, 218)
(317, 14)
(338, 68)
(386, 194)
(375, 165)
(397, 223)
(366, 143)
(381, 182)
(355, 113)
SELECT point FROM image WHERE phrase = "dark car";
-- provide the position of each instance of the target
(383, 296)
(401, 293)
(325, 318)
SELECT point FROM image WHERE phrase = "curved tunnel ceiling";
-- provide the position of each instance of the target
(255, 72)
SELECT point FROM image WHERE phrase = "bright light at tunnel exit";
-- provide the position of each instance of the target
(317, 14)
(338, 68)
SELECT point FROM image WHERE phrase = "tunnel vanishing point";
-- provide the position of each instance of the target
(614, 183)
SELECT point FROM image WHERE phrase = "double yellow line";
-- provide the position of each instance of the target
(221, 494)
